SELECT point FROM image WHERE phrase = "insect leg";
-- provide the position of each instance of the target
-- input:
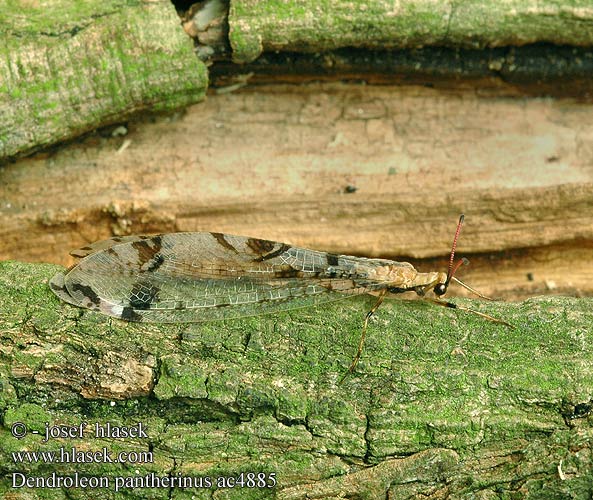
(473, 290)
(364, 332)
(451, 305)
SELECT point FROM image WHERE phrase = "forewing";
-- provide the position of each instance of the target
(188, 277)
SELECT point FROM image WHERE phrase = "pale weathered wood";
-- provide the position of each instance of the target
(276, 161)
(442, 403)
(68, 68)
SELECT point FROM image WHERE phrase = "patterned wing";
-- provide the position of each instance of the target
(190, 277)
(105, 244)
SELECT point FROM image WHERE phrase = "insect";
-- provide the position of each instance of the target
(191, 277)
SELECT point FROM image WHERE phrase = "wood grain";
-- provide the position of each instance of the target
(346, 168)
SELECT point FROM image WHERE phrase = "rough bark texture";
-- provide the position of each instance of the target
(442, 403)
(68, 68)
(312, 26)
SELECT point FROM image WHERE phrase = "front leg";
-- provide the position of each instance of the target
(446, 303)
(380, 297)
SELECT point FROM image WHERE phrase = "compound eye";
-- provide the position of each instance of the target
(440, 289)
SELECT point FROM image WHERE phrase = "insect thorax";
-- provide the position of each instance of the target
(405, 277)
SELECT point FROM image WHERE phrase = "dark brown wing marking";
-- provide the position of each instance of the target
(157, 261)
(222, 240)
(260, 247)
(148, 251)
(87, 293)
(128, 313)
(332, 259)
(58, 286)
(143, 294)
(273, 254)
(105, 244)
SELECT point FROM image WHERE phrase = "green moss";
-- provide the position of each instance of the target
(180, 379)
(115, 58)
(308, 26)
(32, 415)
(263, 393)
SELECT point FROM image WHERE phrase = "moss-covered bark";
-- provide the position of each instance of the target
(441, 403)
(69, 67)
(314, 26)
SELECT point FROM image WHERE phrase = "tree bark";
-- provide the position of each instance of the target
(443, 403)
(66, 71)
(309, 26)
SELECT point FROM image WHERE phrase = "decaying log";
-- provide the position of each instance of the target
(442, 403)
(67, 71)
(309, 26)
